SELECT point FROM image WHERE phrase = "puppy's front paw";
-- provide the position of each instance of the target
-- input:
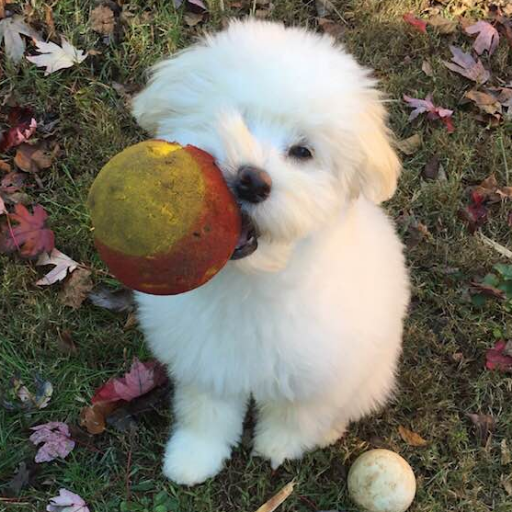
(278, 445)
(191, 459)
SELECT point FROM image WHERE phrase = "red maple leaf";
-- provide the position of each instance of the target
(433, 112)
(418, 24)
(142, 378)
(475, 214)
(22, 126)
(498, 358)
(31, 236)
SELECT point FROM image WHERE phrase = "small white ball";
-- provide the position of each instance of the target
(382, 481)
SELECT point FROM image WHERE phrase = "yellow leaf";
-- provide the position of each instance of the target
(410, 437)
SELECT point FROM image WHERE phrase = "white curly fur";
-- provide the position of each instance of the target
(310, 325)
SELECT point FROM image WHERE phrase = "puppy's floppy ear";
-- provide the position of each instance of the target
(381, 166)
(170, 92)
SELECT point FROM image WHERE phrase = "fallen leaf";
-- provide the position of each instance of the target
(64, 265)
(33, 158)
(475, 214)
(2, 206)
(486, 102)
(22, 125)
(11, 30)
(420, 25)
(93, 417)
(76, 288)
(426, 67)
(65, 342)
(489, 190)
(131, 321)
(125, 416)
(420, 106)
(464, 64)
(197, 3)
(498, 359)
(5, 166)
(103, 20)
(410, 145)
(278, 499)
(332, 28)
(488, 37)
(114, 300)
(141, 378)
(31, 236)
(193, 18)
(507, 484)
(431, 169)
(410, 437)
(484, 426)
(414, 231)
(55, 439)
(54, 57)
(29, 401)
(442, 25)
(67, 501)
(488, 290)
(22, 478)
(12, 183)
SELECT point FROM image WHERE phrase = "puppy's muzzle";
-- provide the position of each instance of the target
(252, 184)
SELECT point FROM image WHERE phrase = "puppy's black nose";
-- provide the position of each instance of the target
(253, 184)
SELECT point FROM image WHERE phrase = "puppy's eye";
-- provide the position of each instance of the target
(300, 152)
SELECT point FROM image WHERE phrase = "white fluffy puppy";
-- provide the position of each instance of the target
(309, 323)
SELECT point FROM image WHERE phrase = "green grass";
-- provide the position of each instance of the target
(436, 391)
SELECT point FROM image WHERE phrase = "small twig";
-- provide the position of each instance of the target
(308, 502)
(504, 160)
(279, 498)
(496, 246)
(13, 501)
(86, 445)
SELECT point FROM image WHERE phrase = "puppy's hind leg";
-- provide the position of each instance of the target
(206, 428)
(286, 430)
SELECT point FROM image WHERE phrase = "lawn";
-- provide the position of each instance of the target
(443, 377)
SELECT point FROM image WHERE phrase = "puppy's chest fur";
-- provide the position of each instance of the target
(229, 339)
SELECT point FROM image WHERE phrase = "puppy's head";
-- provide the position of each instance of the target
(295, 124)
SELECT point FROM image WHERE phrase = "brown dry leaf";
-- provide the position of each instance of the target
(426, 67)
(486, 102)
(491, 191)
(279, 498)
(5, 167)
(484, 426)
(414, 230)
(431, 169)
(93, 418)
(443, 25)
(193, 18)
(505, 453)
(103, 20)
(131, 322)
(410, 145)
(65, 343)
(76, 288)
(332, 28)
(33, 158)
(50, 23)
(410, 437)
(464, 64)
(506, 481)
